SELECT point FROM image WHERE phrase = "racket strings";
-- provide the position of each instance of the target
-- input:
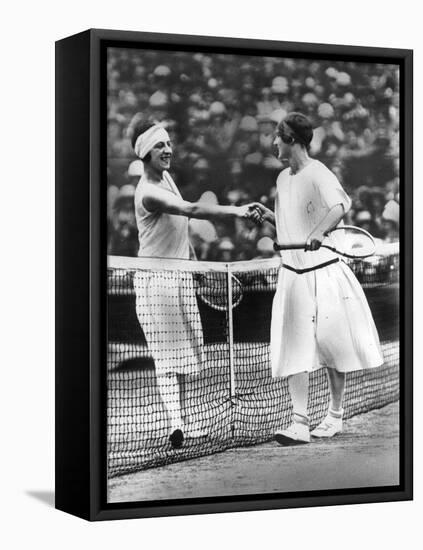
(350, 241)
(214, 291)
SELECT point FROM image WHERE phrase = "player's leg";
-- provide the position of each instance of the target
(332, 423)
(293, 343)
(169, 392)
(298, 431)
(336, 381)
(298, 388)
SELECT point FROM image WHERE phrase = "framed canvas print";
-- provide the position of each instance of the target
(234, 274)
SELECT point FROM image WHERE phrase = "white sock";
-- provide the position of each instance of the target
(301, 419)
(169, 392)
(335, 413)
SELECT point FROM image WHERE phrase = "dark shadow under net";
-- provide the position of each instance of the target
(238, 409)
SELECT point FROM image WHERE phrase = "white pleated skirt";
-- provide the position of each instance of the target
(322, 319)
(167, 311)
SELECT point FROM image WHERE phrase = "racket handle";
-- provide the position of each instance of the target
(292, 246)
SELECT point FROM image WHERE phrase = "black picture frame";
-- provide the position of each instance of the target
(81, 266)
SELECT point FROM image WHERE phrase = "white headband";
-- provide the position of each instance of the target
(146, 141)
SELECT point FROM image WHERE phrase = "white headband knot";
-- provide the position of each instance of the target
(146, 141)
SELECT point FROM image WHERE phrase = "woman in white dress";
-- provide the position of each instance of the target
(165, 301)
(320, 315)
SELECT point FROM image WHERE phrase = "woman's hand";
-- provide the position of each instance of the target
(314, 241)
(266, 214)
(251, 211)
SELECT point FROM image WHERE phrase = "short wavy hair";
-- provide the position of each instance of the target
(299, 128)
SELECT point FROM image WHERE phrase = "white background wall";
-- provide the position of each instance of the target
(28, 32)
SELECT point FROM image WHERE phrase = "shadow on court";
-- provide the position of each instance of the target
(366, 454)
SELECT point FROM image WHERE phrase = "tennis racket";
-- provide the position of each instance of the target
(347, 240)
(212, 289)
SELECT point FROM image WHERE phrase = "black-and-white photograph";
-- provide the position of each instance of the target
(252, 274)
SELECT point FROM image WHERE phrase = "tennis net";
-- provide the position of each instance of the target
(217, 335)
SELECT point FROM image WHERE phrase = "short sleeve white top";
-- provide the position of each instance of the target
(302, 201)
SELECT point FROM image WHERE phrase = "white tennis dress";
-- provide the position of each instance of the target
(166, 305)
(320, 317)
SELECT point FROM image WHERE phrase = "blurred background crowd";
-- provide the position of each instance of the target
(221, 112)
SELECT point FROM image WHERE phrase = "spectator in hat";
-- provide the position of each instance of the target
(225, 250)
(265, 248)
(222, 129)
(390, 220)
(123, 239)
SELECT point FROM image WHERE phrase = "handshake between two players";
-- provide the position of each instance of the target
(259, 214)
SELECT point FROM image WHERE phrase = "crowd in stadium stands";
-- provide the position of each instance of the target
(221, 112)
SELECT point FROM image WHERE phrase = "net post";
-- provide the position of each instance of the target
(231, 333)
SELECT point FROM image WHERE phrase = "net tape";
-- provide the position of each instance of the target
(226, 387)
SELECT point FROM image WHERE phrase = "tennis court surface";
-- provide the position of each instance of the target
(366, 454)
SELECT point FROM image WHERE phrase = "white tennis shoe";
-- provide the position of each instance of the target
(296, 434)
(330, 426)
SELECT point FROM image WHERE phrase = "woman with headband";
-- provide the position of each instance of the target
(166, 303)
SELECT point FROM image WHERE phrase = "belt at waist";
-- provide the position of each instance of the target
(307, 269)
